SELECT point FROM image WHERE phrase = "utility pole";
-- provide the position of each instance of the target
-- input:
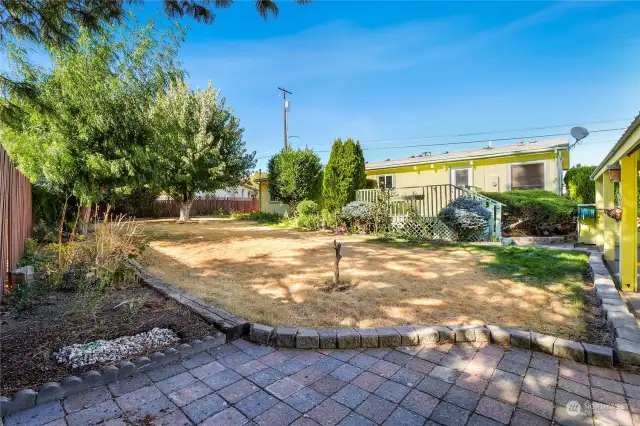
(286, 108)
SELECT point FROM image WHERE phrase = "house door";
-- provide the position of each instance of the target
(462, 178)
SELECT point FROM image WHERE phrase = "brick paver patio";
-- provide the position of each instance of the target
(243, 383)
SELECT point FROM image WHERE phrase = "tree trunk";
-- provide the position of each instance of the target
(336, 263)
(60, 229)
(85, 213)
(185, 210)
(107, 213)
(75, 224)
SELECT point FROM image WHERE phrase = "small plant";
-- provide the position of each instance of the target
(263, 217)
(358, 214)
(467, 217)
(307, 207)
(311, 222)
(329, 219)
(381, 211)
(307, 215)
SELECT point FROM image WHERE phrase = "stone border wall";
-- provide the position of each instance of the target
(536, 241)
(53, 391)
(232, 326)
(623, 326)
(390, 337)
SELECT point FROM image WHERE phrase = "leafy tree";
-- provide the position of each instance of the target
(198, 146)
(92, 137)
(294, 175)
(57, 24)
(343, 175)
(90, 140)
(581, 188)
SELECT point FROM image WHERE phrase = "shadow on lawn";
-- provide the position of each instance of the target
(396, 284)
(539, 267)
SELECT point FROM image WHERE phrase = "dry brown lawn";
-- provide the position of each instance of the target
(275, 276)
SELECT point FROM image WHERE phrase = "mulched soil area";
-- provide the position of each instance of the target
(597, 330)
(29, 337)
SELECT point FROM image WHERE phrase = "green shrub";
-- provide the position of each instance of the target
(467, 217)
(329, 219)
(581, 188)
(536, 212)
(307, 215)
(307, 207)
(309, 221)
(47, 208)
(358, 215)
(381, 211)
(263, 217)
(137, 202)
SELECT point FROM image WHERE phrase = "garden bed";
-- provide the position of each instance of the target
(276, 277)
(30, 336)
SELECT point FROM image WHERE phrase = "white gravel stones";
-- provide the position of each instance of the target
(113, 350)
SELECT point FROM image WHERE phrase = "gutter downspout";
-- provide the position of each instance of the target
(559, 166)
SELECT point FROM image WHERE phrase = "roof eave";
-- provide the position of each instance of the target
(602, 167)
(502, 154)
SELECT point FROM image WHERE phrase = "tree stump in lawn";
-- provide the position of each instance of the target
(336, 264)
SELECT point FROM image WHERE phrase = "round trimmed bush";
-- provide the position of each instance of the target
(358, 214)
(467, 217)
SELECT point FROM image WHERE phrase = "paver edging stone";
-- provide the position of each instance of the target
(623, 326)
(232, 326)
(53, 391)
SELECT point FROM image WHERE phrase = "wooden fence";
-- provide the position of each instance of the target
(203, 207)
(16, 216)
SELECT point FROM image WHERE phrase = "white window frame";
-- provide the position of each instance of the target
(545, 171)
(453, 174)
(393, 180)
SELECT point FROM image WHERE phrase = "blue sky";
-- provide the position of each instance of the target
(381, 70)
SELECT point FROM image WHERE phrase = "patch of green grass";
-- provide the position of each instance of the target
(553, 270)
(262, 217)
(532, 264)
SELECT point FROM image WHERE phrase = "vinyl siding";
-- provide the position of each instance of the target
(266, 205)
(485, 172)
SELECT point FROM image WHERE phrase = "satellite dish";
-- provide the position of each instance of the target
(579, 133)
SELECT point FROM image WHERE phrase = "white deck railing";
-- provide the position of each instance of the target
(428, 201)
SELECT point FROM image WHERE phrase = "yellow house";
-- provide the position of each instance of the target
(620, 165)
(525, 165)
(268, 203)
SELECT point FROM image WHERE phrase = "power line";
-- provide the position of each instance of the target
(476, 140)
(482, 140)
(492, 132)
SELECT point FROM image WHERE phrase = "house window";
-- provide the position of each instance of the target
(273, 198)
(462, 177)
(527, 176)
(385, 181)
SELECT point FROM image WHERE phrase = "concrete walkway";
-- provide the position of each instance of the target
(243, 383)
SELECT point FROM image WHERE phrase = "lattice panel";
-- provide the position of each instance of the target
(425, 228)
